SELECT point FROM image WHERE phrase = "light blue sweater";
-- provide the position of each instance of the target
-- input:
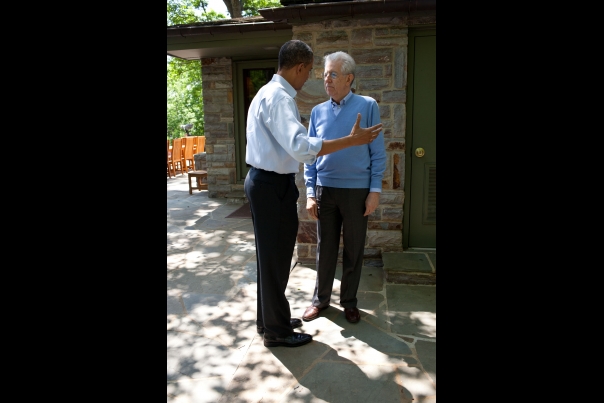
(353, 167)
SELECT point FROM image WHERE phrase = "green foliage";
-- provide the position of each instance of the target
(251, 7)
(184, 102)
(191, 11)
(181, 12)
(184, 90)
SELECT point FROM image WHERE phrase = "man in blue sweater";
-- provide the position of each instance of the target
(342, 188)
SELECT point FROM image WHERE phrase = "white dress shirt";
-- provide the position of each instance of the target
(276, 140)
(337, 108)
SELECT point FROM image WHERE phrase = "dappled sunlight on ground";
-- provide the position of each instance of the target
(214, 354)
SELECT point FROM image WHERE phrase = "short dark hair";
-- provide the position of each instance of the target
(294, 52)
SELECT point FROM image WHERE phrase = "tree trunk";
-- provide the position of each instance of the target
(234, 7)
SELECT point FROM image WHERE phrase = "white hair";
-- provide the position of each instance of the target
(348, 64)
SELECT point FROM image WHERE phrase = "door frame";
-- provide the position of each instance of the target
(239, 120)
(413, 32)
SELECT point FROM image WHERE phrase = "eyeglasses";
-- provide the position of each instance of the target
(331, 74)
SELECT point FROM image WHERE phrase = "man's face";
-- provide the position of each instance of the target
(337, 85)
(303, 76)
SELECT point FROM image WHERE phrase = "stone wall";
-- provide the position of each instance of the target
(219, 130)
(379, 47)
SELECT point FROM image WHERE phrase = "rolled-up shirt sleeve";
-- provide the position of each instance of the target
(310, 170)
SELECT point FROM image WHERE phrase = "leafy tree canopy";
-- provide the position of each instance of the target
(184, 89)
(251, 7)
(190, 11)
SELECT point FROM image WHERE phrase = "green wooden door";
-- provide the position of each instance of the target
(250, 76)
(420, 167)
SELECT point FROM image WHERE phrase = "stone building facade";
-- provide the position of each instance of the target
(379, 47)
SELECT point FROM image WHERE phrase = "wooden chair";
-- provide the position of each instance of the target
(177, 158)
(194, 144)
(188, 153)
(169, 159)
(201, 144)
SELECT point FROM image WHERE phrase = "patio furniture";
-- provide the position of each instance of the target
(198, 175)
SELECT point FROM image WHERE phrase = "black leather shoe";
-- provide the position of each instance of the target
(293, 340)
(294, 322)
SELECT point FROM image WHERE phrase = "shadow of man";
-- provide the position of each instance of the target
(411, 377)
(333, 378)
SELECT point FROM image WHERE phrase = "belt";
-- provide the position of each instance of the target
(272, 172)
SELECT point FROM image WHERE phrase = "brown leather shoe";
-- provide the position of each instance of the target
(312, 312)
(352, 314)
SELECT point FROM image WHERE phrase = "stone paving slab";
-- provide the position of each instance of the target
(193, 356)
(215, 355)
(412, 309)
(432, 257)
(427, 351)
(363, 383)
(408, 261)
(204, 390)
(372, 306)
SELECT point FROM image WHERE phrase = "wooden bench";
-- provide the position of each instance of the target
(198, 175)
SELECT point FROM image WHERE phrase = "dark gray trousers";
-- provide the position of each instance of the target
(273, 199)
(340, 211)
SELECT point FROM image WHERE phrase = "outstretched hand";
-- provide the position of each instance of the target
(357, 137)
(361, 136)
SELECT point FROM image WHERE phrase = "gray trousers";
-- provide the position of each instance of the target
(340, 211)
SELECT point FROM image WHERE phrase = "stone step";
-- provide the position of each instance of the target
(236, 197)
(412, 266)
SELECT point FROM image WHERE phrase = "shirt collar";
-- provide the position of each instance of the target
(286, 86)
(343, 101)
